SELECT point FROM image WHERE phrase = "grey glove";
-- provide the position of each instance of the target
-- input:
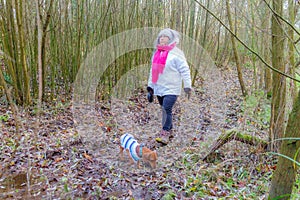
(150, 97)
(188, 92)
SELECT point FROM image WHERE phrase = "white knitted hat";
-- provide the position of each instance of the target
(171, 34)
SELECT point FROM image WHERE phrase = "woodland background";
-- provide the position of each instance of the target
(254, 43)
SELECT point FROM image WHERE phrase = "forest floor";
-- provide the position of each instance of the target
(53, 159)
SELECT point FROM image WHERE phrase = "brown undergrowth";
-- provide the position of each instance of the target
(53, 161)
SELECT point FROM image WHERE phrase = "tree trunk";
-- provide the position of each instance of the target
(266, 50)
(236, 55)
(43, 44)
(39, 58)
(291, 53)
(253, 46)
(8, 41)
(277, 125)
(284, 176)
(23, 61)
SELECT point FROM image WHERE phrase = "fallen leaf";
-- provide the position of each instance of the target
(86, 156)
(58, 159)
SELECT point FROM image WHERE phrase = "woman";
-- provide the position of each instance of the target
(169, 68)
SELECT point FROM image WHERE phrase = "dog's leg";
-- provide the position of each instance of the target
(131, 159)
(138, 164)
(121, 156)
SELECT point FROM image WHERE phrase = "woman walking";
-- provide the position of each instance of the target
(168, 70)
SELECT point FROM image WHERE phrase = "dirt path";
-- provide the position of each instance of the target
(60, 162)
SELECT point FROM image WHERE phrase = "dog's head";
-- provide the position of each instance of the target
(151, 157)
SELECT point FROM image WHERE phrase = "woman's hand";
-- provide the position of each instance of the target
(188, 92)
(150, 94)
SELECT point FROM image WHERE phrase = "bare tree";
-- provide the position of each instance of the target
(236, 55)
(277, 125)
(284, 176)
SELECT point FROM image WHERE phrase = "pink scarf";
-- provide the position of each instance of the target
(159, 60)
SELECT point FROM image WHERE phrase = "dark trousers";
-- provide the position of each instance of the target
(167, 102)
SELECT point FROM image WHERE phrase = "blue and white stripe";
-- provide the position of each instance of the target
(128, 142)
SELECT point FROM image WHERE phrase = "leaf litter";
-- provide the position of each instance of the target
(53, 161)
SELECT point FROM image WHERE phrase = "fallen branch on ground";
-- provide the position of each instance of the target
(238, 136)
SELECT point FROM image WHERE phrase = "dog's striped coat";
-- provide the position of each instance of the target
(128, 142)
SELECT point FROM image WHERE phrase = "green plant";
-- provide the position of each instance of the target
(248, 65)
(7, 78)
(291, 159)
(229, 182)
(195, 185)
(65, 182)
(169, 195)
(298, 77)
(58, 142)
(257, 109)
(296, 193)
(11, 143)
(97, 191)
(4, 117)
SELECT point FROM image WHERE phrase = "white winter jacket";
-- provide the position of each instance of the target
(176, 70)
